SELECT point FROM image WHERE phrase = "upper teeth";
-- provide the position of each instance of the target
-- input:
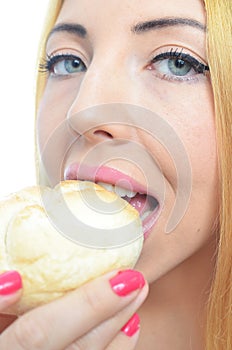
(122, 192)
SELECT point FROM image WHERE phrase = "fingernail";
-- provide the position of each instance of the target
(10, 282)
(132, 326)
(126, 282)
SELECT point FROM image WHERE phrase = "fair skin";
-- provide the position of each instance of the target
(116, 67)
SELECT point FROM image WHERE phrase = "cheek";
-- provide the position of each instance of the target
(198, 218)
(193, 122)
(56, 101)
(53, 133)
(196, 129)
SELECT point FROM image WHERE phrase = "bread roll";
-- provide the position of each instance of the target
(50, 263)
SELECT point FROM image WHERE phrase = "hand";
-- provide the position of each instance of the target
(91, 317)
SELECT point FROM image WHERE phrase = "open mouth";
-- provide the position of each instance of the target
(143, 203)
(146, 204)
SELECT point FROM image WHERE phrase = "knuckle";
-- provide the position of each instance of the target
(29, 334)
(92, 299)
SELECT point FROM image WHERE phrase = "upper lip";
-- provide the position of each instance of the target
(108, 175)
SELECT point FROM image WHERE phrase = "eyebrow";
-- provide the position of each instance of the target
(71, 28)
(139, 28)
(166, 22)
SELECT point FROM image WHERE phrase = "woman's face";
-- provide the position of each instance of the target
(128, 101)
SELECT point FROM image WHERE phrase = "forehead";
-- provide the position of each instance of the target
(124, 13)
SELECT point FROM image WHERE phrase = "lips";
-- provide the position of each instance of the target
(124, 186)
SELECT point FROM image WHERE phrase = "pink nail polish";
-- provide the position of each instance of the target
(132, 326)
(10, 282)
(126, 282)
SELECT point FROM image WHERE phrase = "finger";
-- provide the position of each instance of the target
(7, 301)
(10, 293)
(60, 323)
(128, 337)
(101, 336)
(10, 289)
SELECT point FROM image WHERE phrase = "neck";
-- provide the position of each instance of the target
(174, 314)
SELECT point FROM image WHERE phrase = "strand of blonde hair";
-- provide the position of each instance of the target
(219, 24)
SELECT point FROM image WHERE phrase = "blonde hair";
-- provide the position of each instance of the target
(54, 8)
(219, 24)
(219, 47)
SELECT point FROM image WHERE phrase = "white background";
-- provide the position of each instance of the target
(20, 28)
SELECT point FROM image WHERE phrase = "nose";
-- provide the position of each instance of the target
(96, 112)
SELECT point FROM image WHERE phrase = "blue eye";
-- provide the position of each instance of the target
(177, 65)
(61, 65)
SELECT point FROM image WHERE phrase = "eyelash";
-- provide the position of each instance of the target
(197, 66)
(51, 60)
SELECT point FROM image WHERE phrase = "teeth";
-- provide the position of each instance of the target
(131, 194)
(145, 214)
(122, 192)
(107, 187)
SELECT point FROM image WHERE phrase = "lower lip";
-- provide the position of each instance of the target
(108, 175)
(150, 221)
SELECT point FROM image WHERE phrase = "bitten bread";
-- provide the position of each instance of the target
(50, 263)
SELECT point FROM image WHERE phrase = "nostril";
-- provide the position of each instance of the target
(103, 134)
